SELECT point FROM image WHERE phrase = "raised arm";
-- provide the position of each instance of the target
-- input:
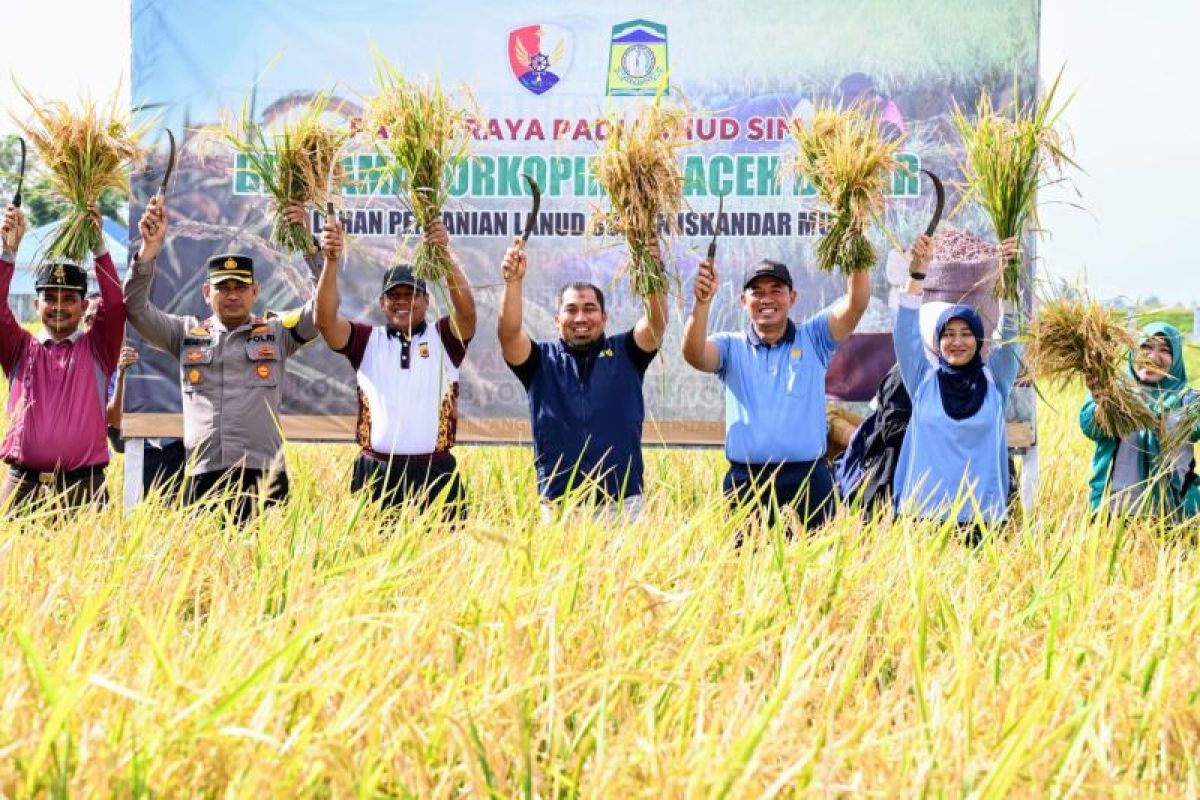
(462, 302)
(515, 344)
(906, 336)
(699, 350)
(1005, 361)
(334, 328)
(845, 315)
(13, 337)
(163, 330)
(116, 402)
(108, 330)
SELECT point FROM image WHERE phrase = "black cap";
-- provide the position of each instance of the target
(401, 275)
(767, 269)
(230, 265)
(61, 276)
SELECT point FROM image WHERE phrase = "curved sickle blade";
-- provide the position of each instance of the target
(533, 210)
(16, 199)
(162, 187)
(712, 246)
(939, 205)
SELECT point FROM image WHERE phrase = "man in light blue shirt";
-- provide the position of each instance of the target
(774, 377)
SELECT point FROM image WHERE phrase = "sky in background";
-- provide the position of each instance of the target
(1135, 119)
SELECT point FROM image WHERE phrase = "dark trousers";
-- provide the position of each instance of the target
(239, 489)
(74, 488)
(804, 486)
(411, 479)
(162, 467)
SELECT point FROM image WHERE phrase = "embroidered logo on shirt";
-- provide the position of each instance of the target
(797, 352)
(606, 353)
(263, 371)
(195, 376)
(424, 350)
(194, 355)
(266, 351)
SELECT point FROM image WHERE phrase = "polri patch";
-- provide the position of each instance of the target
(263, 371)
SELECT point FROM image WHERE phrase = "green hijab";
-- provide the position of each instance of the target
(1162, 397)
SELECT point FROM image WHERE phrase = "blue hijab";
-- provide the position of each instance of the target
(964, 388)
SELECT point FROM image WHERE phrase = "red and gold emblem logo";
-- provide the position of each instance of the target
(195, 376)
(263, 371)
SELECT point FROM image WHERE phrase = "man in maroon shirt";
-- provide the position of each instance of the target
(56, 438)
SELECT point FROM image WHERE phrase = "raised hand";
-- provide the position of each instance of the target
(514, 263)
(1009, 249)
(153, 228)
(920, 254)
(706, 284)
(12, 230)
(128, 358)
(332, 239)
(436, 234)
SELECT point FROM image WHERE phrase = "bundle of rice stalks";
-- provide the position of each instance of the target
(1006, 161)
(638, 167)
(1080, 339)
(87, 150)
(844, 155)
(428, 136)
(296, 162)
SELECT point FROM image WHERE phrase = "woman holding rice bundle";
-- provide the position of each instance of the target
(956, 440)
(1129, 474)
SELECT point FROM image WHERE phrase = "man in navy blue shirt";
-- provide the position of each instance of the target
(585, 389)
(774, 377)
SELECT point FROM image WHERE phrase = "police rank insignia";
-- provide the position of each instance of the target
(423, 349)
(60, 275)
(637, 59)
(194, 355)
(265, 351)
(263, 371)
(194, 376)
(538, 55)
(231, 263)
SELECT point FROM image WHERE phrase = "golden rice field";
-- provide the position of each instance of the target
(324, 653)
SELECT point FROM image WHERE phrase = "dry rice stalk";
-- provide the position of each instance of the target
(86, 149)
(1006, 161)
(638, 167)
(844, 155)
(428, 136)
(297, 162)
(1081, 339)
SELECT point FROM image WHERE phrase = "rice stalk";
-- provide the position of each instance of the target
(1005, 162)
(844, 155)
(1070, 339)
(427, 135)
(296, 162)
(86, 148)
(638, 167)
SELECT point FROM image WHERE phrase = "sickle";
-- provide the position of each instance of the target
(537, 203)
(712, 246)
(162, 188)
(16, 200)
(940, 191)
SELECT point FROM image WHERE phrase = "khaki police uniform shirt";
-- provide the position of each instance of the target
(232, 380)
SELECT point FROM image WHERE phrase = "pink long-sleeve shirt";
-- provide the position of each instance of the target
(58, 390)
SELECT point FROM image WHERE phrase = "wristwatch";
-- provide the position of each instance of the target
(917, 275)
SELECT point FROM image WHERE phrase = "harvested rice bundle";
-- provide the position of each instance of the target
(846, 158)
(296, 163)
(638, 167)
(428, 136)
(1079, 338)
(87, 150)
(1006, 161)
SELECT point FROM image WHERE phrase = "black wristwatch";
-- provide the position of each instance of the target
(918, 275)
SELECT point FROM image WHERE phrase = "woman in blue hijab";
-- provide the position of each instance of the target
(954, 460)
(1130, 474)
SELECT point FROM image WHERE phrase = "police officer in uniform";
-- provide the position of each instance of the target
(231, 368)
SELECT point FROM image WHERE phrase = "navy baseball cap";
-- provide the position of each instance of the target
(767, 269)
(401, 275)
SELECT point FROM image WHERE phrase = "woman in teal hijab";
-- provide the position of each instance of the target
(1130, 474)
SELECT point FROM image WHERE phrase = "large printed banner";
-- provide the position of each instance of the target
(545, 76)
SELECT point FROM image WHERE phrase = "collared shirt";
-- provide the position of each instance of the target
(407, 387)
(232, 380)
(775, 393)
(56, 401)
(586, 410)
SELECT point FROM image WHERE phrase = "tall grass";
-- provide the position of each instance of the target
(323, 652)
